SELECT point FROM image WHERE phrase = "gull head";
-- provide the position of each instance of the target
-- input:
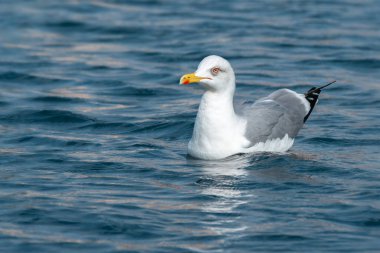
(214, 73)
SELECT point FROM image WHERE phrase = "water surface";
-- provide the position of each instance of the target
(94, 127)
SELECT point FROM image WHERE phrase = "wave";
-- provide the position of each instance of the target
(45, 116)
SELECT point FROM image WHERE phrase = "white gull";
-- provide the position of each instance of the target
(223, 129)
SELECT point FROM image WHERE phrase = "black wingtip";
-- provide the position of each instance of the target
(314, 89)
(324, 86)
(312, 97)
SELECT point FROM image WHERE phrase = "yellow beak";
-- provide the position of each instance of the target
(191, 78)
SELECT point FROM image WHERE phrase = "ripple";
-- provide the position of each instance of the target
(56, 99)
(12, 76)
(141, 92)
(359, 63)
(46, 116)
(344, 142)
(113, 126)
(54, 140)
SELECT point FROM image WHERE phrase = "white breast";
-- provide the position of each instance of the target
(218, 131)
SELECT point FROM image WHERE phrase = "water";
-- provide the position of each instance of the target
(94, 127)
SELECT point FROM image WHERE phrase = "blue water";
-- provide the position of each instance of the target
(94, 127)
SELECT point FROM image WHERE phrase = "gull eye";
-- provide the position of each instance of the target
(215, 71)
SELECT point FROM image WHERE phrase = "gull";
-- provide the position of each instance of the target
(223, 129)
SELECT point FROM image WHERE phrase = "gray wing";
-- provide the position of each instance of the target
(274, 116)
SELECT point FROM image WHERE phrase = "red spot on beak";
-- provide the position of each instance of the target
(186, 82)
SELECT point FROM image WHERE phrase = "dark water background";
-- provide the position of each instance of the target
(94, 127)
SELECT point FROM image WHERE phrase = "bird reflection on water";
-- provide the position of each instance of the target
(220, 180)
(229, 183)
